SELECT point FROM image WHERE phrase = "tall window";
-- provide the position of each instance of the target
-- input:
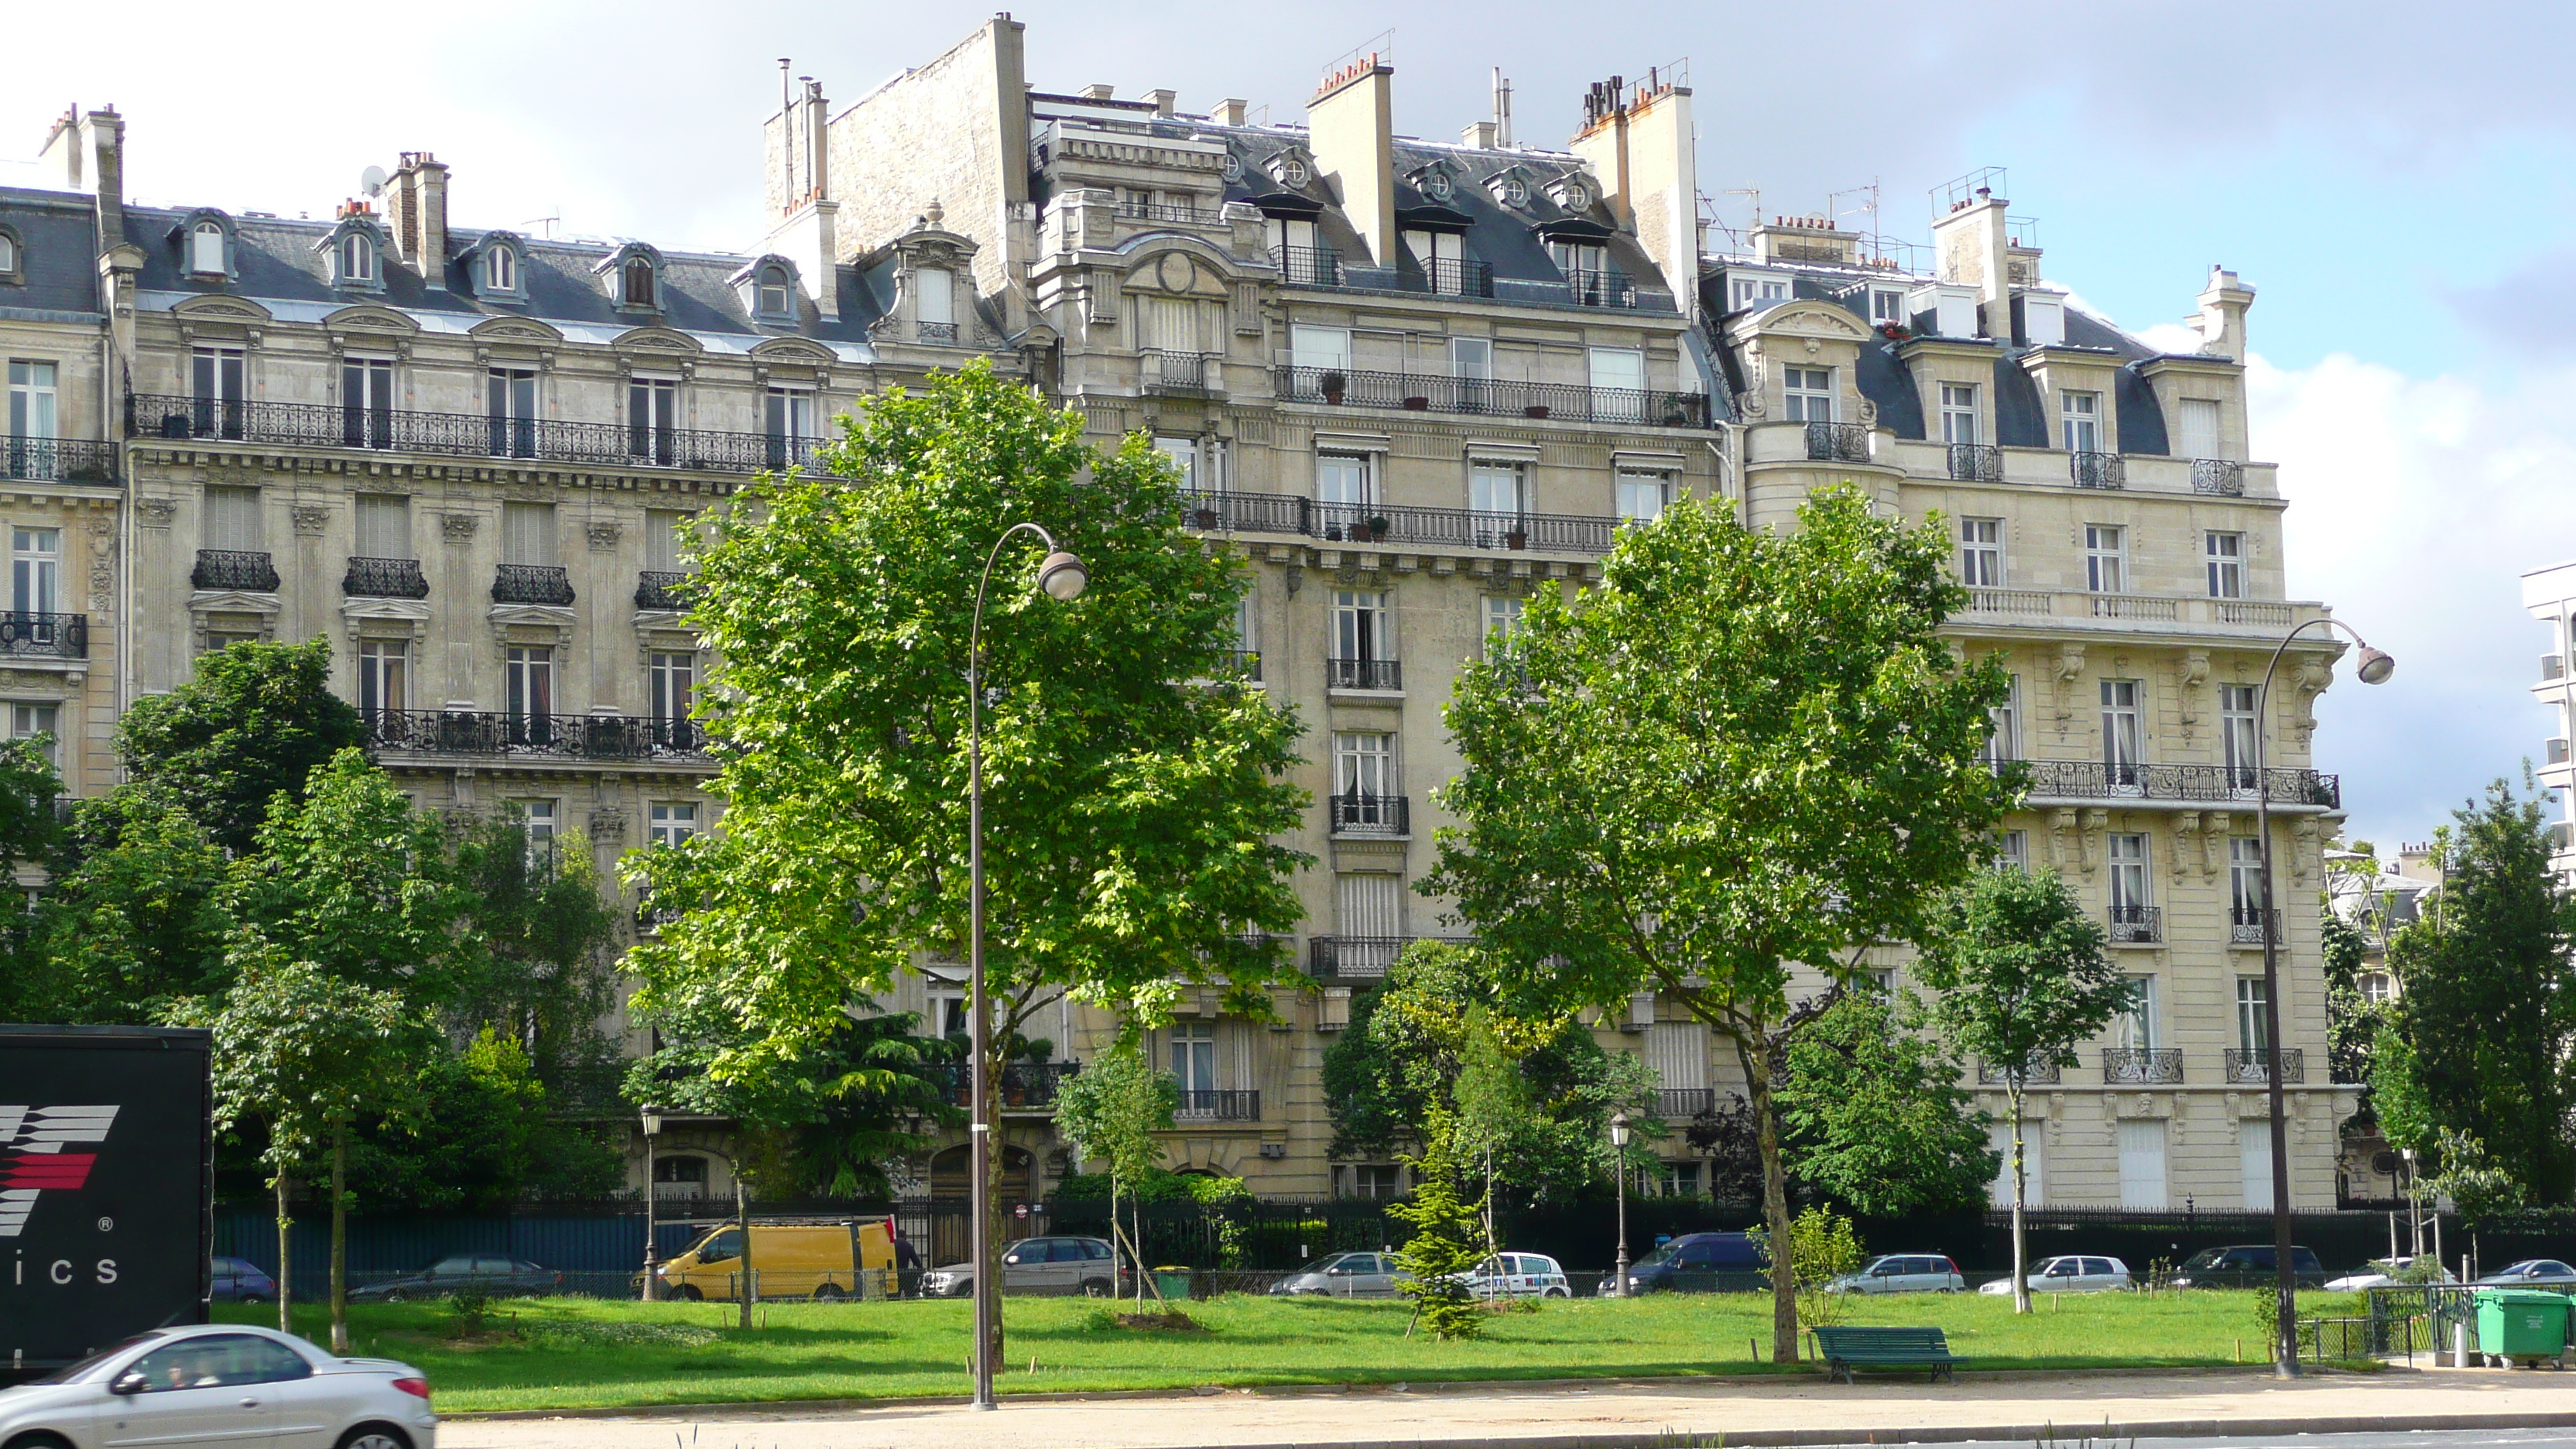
(1328, 348)
(357, 257)
(2245, 878)
(2199, 428)
(542, 821)
(1497, 496)
(2080, 417)
(2129, 900)
(206, 249)
(935, 300)
(2236, 725)
(1194, 1062)
(33, 399)
(1618, 384)
(2123, 735)
(232, 518)
(1440, 256)
(511, 396)
(2106, 558)
(2012, 850)
(670, 686)
(528, 533)
(2226, 565)
(2003, 742)
(2135, 1026)
(1958, 412)
(652, 417)
(501, 269)
(215, 374)
(790, 417)
(637, 289)
(1363, 763)
(1369, 905)
(367, 402)
(1346, 484)
(2253, 1028)
(662, 540)
(1809, 392)
(1362, 626)
(1502, 621)
(1643, 496)
(1981, 552)
(1471, 359)
(35, 570)
(384, 525)
(670, 822)
(30, 719)
(530, 670)
(381, 667)
(1183, 455)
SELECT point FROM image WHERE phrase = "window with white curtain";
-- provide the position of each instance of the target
(33, 399)
(1193, 1062)
(1958, 412)
(528, 533)
(384, 525)
(232, 518)
(35, 570)
(1324, 347)
(1345, 478)
(662, 538)
(1502, 621)
(382, 664)
(2197, 427)
(2081, 414)
(206, 249)
(934, 295)
(1981, 552)
(1808, 393)
(1643, 494)
(2226, 552)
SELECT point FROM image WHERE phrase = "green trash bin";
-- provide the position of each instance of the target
(1174, 1283)
(2522, 1325)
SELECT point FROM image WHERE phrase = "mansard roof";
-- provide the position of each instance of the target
(57, 252)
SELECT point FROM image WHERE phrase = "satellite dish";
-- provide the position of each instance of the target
(372, 180)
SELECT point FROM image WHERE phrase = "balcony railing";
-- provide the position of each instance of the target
(2221, 476)
(1446, 276)
(2096, 470)
(2245, 925)
(659, 589)
(1371, 814)
(384, 578)
(1601, 287)
(57, 460)
(1138, 210)
(468, 435)
(44, 636)
(1363, 674)
(2192, 609)
(1677, 1104)
(937, 334)
(1493, 397)
(233, 568)
(1976, 463)
(555, 736)
(1837, 443)
(2090, 780)
(2002, 1073)
(1308, 266)
(531, 584)
(1391, 523)
(1220, 1105)
(2137, 925)
(1017, 1086)
(1365, 957)
(1178, 374)
(2251, 1068)
(2141, 1066)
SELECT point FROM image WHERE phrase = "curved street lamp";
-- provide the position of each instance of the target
(1061, 577)
(2374, 668)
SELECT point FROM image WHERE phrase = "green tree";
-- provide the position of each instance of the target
(478, 1131)
(2022, 978)
(136, 919)
(1448, 1241)
(253, 722)
(1823, 1246)
(2352, 1019)
(2486, 1004)
(545, 975)
(1873, 1114)
(1109, 1112)
(1748, 751)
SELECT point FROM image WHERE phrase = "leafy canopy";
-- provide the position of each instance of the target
(2021, 973)
(1874, 1115)
(251, 723)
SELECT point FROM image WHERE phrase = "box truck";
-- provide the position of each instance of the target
(106, 1188)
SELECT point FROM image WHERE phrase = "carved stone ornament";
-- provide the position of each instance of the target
(607, 825)
(155, 512)
(29, 679)
(458, 527)
(1868, 413)
(310, 519)
(603, 533)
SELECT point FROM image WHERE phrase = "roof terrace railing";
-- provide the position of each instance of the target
(463, 435)
(1493, 397)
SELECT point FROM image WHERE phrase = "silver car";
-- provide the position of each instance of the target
(1343, 1275)
(245, 1388)
(1060, 1266)
(2070, 1275)
(1903, 1273)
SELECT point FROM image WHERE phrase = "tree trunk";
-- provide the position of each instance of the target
(1775, 1202)
(285, 1227)
(2021, 1190)
(340, 1239)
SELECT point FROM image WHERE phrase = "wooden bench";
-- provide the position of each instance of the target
(1846, 1349)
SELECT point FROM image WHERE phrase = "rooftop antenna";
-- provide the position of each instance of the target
(371, 182)
(1502, 109)
(548, 222)
(1755, 192)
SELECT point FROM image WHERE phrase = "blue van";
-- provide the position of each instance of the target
(1701, 1263)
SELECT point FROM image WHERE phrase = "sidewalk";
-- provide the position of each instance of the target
(1608, 1415)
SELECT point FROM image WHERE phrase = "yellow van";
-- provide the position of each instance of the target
(852, 1259)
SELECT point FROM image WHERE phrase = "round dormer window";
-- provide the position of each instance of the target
(1293, 172)
(1516, 192)
(1233, 167)
(1577, 196)
(1436, 186)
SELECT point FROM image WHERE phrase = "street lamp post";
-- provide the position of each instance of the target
(1619, 1144)
(1062, 578)
(2375, 667)
(652, 1129)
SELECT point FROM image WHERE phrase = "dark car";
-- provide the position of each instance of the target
(1699, 1263)
(488, 1273)
(2247, 1265)
(237, 1280)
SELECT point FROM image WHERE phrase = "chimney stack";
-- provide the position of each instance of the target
(1350, 124)
(1973, 245)
(418, 210)
(1231, 111)
(2222, 315)
(1099, 92)
(1164, 101)
(86, 152)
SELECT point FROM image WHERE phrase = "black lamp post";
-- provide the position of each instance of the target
(652, 1261)
(1619, 1146)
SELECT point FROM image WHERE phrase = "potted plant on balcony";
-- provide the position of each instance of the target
(1535, 410)
(1206, 517)
(1378, 527)
(1517, 538)
(1417, 402)
(1333, 385)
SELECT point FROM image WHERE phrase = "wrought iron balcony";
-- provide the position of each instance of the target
(1675, 1104)
(467, 435)
(1308, 266)
(2245, 925)
(2137, 925)
(1837, 443)
(1018, 1086)
(1445, 276)
(384, 578)
(1363, 674)
(659, 589)
(2251, 1068)
(44, 636)
(1493, 397)
(937, 334)
(2218, 475)
(2091, 780)
(531, 584)
(1357, 814)
(1203, 1105)
(1976, 463)
(552, 736)
(1601, 287)
(2141, 1066)
(233, 568)
(1179, 374)
(1392, 523)
(1136, 209)
(2096, 470)
(1359, 958)
(1994, 1074)
(57, 460)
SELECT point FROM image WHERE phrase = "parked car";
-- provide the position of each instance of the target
(1036, 1265)
(487, 1273)
(1904, 1273)
(1343, 1275)
(2070, 1275)
(790, 1260)
(1519, 1275)
(2533, 1273)
(2384, 1272)
(1696, 1263)
(238, 1280)
(2247, 1265)
(220, 1382)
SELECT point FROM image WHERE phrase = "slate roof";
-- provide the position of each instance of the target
(57, 236)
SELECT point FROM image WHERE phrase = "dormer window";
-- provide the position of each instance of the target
(635, 284)
(1572, 194)
(206, 249)
(1437, 186)
(934, 304)
(632, 276)
(357, 258)
(1290, 170)
(1514, 191)
(773, 298)
(1886, 307)
(9, 263)
(501, 269)
(1744, 290)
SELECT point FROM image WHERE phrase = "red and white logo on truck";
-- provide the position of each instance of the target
(33, 1156)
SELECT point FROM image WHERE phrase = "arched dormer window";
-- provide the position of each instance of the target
(497, 267)
(357, 258)
(766, 287)
(635, 283)
(632, 276)
(775, 297)
(501, 268)
(206, 245)
(13, 257)
(354, 252)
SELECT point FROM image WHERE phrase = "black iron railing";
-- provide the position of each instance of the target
(234, 568)
(1976, 463)
(2141, 1066)
(558, 736)
(1308, 266)
(531, 584)
(659, 589)
(385, 578)
(468, 435)
(1391, 523)
(1221, 1105)
(1018, 1086)
(1363, 674)
(1180, 374)
(2137, 925)
(2090, 780)
(1601, 287)
(1493, 397)
(1998, 1073)
(57, 460)
(1445, 276)
(1138, 210)
(2246, 925)
(1357, 814)
(2251, 1067)
(2218, 475)
(44, 636)
(1675, 1104)
(1837, 443)
(2096, 470)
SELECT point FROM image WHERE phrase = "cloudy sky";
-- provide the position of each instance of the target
(2395, 182)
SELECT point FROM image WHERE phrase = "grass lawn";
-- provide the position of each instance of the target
(588, 1353)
